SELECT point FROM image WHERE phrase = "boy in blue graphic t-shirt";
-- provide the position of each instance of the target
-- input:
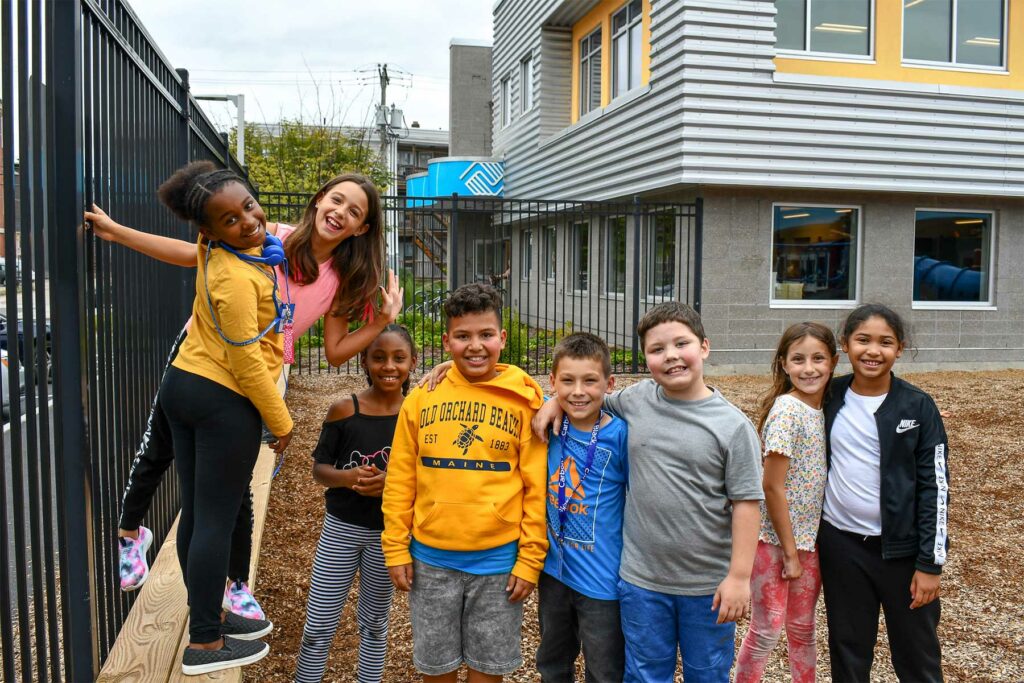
(587, 473)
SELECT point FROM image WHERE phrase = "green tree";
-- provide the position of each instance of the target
(298, 157)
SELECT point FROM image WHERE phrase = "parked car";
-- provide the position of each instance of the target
(5, 382)
(21, 343)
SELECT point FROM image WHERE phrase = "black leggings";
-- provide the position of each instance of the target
(152, 459)
(216, 436)
(857, 581)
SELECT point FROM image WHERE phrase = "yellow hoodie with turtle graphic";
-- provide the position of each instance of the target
(466, 472)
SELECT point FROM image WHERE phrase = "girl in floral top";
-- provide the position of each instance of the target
(786, 579)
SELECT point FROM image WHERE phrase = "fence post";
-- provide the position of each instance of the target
(637, 220)
(184, 144)
(70, 390)
(698, 252)
(453, 235)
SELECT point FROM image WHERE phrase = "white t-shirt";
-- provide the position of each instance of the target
(853, 489)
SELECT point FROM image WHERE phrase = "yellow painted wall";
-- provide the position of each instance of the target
(602, 16)
(888, 66)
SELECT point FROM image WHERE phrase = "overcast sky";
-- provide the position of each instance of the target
(316, 59)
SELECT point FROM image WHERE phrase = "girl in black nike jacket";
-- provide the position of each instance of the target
(883, 537)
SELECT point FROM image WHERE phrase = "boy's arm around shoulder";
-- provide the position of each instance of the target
(400, 485)
(932, 462)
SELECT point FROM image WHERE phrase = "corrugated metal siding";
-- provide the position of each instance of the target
(715, 115)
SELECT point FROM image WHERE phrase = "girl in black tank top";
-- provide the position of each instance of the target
(351, 460)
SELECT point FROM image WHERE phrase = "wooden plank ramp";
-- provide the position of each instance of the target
(150, 644)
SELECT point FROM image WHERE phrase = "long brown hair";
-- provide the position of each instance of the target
(358, 261)
(780, 379)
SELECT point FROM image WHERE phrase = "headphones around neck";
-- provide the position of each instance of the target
(273, 252)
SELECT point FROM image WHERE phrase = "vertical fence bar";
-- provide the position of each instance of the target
(637, 220)
(64, 44)
(698, 252)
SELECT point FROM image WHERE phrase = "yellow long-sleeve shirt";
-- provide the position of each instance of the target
(242, 298)
(466, 472)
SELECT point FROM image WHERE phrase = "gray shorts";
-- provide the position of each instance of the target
(459, 617)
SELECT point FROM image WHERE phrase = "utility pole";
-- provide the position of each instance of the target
(382, 113)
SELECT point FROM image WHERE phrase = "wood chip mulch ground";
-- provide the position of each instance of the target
(982, 627)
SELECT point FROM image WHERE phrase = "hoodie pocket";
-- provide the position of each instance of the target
(464, 526)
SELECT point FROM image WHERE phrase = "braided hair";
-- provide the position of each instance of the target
(188, 190)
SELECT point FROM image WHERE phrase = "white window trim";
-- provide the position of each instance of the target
(526, 237)
(807, 53)
(505, 93)
(676, 269)
(625, 33)
(606, 293)
(579, 66)
(990, 304)
(545, 257)
(526, 84)
(953, 65)
(826, 304)
(575, 268)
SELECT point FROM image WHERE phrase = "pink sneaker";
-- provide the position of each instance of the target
(240, 600)
(133, 567)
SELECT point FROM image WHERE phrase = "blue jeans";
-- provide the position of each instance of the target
(569, 619)
(655, 624)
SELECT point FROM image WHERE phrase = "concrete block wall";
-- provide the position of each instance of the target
(744, 329)
(469, 103)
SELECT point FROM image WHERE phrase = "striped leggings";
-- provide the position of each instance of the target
(342, 549)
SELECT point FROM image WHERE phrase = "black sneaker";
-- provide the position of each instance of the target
(245, 629)
(234, 653)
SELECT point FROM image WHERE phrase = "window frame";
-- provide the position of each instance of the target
(585, 101)
(579, 266)
(505, 93)
(990, 304)
(807, 53)
(649, 261)
(526, 98)
(953, 65)
(608, 256)
(624, 33)
(526, 254)
(826, 304)
(549, 252)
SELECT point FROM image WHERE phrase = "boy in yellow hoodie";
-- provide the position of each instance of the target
(464, 528)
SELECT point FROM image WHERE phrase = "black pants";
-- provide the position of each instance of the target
(569, 619)
(216, 436)
(856, 582)
(152, 459)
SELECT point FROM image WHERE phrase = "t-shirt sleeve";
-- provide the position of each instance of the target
(781, 429)
(326, 451)
(743, 464)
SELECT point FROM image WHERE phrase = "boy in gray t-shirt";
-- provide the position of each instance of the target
(692, 510)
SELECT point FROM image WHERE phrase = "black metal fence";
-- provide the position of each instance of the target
(92, 112)
(561, 266)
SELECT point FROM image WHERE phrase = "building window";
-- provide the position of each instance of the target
(615, 256)
(814, 254)
(590, 72)
(550, 252)
(580, 267)
(661, 256)
(526, 83)
(952, 257)
(526, 254)
(626, 38)
(963, 32)
(841, 27)
(506, 101)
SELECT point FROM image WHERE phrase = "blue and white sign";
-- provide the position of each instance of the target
(465, 176)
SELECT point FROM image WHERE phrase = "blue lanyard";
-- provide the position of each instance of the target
(285, 310)
(563, 468)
